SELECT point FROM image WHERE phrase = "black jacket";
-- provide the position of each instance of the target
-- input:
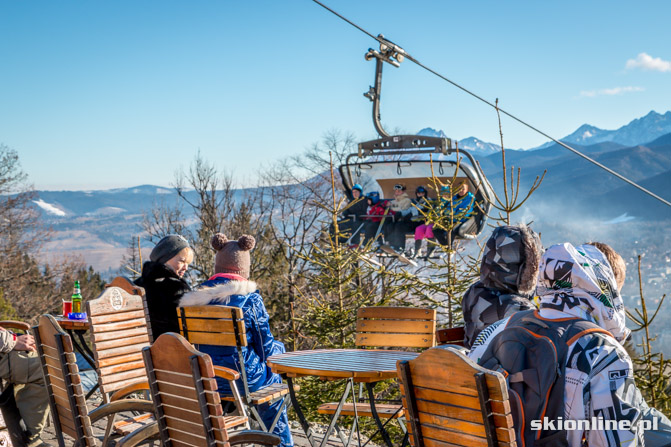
(163, 289)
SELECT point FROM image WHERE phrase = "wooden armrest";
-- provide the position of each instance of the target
(129, 389)
(119, 406)
(453, 336)
(226, 373)
(11, 324)
(254, 437)
(140, 435)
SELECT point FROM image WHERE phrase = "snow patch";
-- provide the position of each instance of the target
(106, 211)
(49, 208)
(163, 191)
(587, 134)
(620, 219)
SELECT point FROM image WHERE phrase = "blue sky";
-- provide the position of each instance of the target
(95, 95)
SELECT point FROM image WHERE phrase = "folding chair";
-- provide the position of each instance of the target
(66, 396)
(387, 327)
(225, 326)
(184, 390)
(450, 400)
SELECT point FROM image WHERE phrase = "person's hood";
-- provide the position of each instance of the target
(510, 260)
(220, 293)
(579, 281)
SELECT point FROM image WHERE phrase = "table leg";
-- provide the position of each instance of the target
(336, 415)
(299, 412)
(85, 352)
(373, 410)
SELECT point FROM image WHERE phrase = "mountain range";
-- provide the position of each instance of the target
(100, 224)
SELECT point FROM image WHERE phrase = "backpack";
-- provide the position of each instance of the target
(531, 353)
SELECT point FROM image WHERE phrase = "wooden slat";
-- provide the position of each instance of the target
(112, 301)
(210, 311)
(447, 398)
(129, 425)
(461, 413)
(396, 326)
(104, 345)
(211, 325)
(461, 426)
(117, 316)
(119, 325)
(102, 363)
(183, 413)
(269, 393)
(114, 369)
(363, 409)
(123, 376)
(401, 313)
(457, 377)
(453, 336)
(188, 438)
(211, 398)
(184, 425)
(131, 349)
(396, 340)
(184, 380)
(123, 334)
(114, 386)
(209, 338)
(177, 390)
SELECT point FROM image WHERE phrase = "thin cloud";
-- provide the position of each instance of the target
(647, 62)
(610, 91)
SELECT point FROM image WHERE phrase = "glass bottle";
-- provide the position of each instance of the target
(77, 299)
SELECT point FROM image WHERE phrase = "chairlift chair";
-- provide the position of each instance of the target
(413, 159)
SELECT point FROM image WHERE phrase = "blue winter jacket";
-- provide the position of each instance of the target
(233, 290)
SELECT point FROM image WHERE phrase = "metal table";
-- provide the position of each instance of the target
(366, 366)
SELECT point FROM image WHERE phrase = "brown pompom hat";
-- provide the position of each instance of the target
(232, 256)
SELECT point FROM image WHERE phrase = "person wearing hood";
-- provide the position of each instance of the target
(578, 282)
(374, 208)
(163, 282)
(508, 275)
(230, 286)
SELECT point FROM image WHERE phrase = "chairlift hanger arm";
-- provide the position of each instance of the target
(392, 54)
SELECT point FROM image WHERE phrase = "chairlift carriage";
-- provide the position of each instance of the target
(413, 159)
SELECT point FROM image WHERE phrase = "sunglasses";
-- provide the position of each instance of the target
(398, 187)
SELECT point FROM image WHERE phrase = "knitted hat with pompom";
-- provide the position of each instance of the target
(232, 256)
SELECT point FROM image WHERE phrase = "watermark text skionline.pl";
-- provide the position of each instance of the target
(595, 423)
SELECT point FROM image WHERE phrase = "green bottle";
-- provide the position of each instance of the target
(77, 299)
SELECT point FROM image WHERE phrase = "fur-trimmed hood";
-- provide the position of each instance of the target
(220, 293)
(511, 259)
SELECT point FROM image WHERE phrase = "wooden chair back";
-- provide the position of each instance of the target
(451, 336)
(126, 284)
(119, 331)
(184, 390)
(400, 327)
(213, 325)
(450, 400)
(66, 396)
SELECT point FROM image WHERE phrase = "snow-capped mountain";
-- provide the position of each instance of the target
(638, 131)
(471, 144)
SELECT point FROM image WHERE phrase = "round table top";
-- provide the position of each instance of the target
(67, 323)
(360, 364)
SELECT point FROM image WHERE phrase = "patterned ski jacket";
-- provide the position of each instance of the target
(579, 282)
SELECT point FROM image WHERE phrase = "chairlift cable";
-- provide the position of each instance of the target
(519, 120)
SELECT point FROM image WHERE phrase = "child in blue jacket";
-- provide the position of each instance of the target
(230, 286)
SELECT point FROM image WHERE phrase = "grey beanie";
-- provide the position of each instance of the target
(168, 247)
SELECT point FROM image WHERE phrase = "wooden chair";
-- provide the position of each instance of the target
(184, 390)
(66, 396)
(225, 326)
(126, 284)
(119, 331)
(11, 432)
(388, 327)
(450, 400)
(451, 336)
